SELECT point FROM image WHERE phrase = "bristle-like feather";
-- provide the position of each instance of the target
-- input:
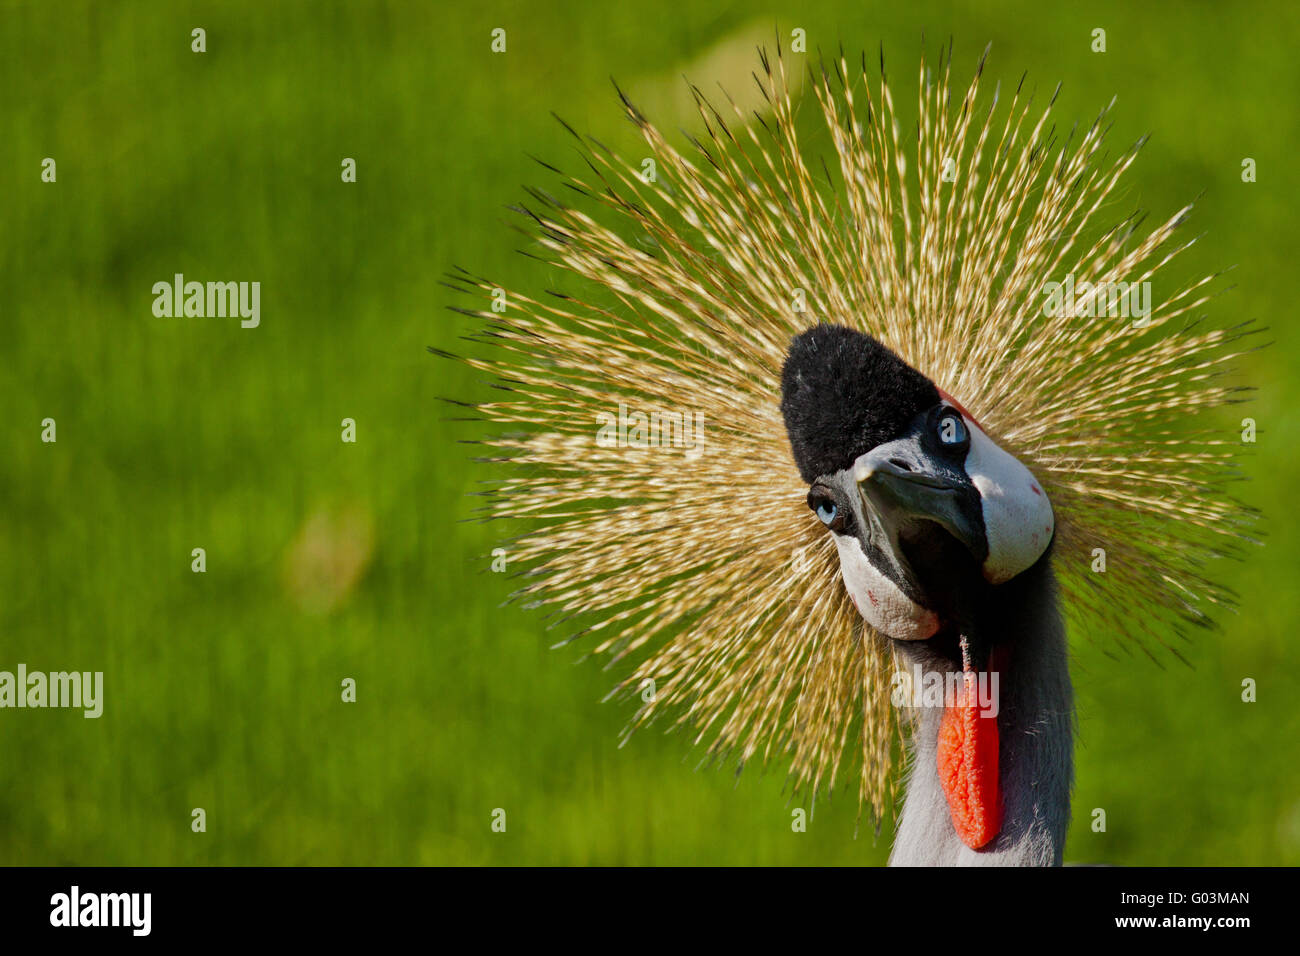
(708, 571)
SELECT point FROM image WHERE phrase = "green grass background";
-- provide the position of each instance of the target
(222, 689)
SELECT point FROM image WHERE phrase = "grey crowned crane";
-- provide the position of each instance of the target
(926, 345)
(944, 546)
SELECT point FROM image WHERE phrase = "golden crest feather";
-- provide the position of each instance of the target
(707, 571)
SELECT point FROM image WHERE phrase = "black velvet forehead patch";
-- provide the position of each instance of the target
(842, 394)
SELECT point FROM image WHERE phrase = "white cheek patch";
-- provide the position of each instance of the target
(1018, 520)
(879, 600)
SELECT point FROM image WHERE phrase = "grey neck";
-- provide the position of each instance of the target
(1036, 734)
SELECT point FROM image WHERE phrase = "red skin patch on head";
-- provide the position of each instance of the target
(968, 766)
(872, 596)
(960, 407)
(1034, 489)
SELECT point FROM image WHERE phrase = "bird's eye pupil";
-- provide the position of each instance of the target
(826, 510)
(952, 430)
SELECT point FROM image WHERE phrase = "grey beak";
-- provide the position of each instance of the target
(901, 483)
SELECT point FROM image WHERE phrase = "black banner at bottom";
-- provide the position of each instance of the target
(90, 905)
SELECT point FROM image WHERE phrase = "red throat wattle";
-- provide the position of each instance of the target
(968, 762)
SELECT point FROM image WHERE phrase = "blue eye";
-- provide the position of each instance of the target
(822, 501)
(952, 430)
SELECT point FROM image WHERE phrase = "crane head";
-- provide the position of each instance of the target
(926, 510)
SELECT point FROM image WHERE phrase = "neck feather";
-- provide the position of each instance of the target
(1036, 739)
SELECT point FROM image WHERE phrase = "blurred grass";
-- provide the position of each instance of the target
(222, 689)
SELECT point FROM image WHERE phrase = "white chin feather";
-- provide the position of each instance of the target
(879, 600)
